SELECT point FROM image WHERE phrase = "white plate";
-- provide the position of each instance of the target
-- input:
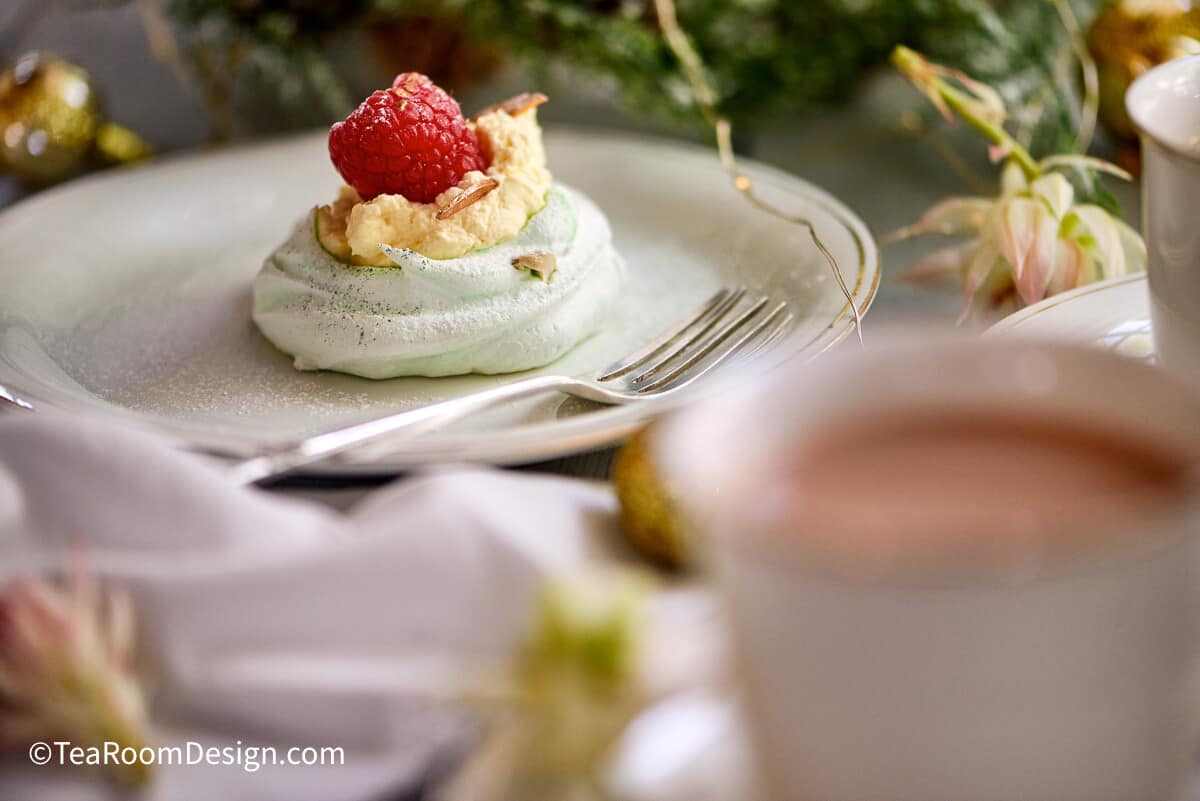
(129, 293)
(1113, 313)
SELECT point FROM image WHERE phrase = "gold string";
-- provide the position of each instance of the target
(705, 97)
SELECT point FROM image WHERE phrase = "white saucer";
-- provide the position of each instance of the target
(1113, 313)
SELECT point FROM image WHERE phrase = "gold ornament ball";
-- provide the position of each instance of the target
(49, 117)
(649, 508)
(1129, 37)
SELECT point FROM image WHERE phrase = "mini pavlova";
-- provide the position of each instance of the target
(450, 250)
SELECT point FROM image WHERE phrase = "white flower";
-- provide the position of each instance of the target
(65, 668)
(1033, 239)
(1033, 236)
(575, 684)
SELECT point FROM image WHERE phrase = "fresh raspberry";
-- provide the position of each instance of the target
(409, 140)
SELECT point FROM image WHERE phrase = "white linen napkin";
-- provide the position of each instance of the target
(274, 621)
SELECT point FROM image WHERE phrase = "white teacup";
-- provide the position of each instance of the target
(1068, 678)
(1164, 104)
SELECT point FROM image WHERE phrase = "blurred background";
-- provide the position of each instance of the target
(805, 81)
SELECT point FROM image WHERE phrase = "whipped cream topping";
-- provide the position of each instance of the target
(436, 317)
(517, 158)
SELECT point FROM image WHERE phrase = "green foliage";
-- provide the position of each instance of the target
(1018, 46)
(766, 57)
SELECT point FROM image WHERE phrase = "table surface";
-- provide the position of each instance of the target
(872, 152)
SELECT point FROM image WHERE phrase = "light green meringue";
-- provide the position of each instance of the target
(428, 317)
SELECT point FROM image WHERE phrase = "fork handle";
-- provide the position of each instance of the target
(276, 461)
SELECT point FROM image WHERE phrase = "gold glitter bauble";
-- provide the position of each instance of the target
(51, 122)
(1130, 37)
(649, 509)
(48, 117)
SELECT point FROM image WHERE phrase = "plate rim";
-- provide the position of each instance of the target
(524, 444)
(1022, 316)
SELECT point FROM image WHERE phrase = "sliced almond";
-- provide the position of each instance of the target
(542, 263)
(515, 105)
(467, 197)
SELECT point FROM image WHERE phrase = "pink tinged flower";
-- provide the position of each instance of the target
(1014, 230)
(938, 265)
(1056, 192)
(1026, 233)
(1043, 259)
(1012, 179)
(955, 216)
(1069, 266)
(982, 262)
(1094, 227)
(1031, 240)
(65, 668)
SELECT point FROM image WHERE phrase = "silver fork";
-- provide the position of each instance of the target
(730, 322)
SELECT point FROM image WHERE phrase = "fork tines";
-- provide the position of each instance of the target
(726, 324)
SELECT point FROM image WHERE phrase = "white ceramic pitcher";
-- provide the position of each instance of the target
(1164, 104)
